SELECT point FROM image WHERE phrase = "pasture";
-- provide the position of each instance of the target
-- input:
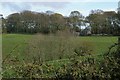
(19, 49)
(50, 47)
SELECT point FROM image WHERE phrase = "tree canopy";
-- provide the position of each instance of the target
(101, 22)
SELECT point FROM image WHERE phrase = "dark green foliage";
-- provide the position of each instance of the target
(100, 22)
(33, 22)
(104, 22)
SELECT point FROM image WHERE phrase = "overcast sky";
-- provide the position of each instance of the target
(63, 7)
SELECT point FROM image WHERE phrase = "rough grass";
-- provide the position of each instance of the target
(51, 47)
(14, 44)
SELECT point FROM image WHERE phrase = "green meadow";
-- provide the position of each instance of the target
(52, 47)
(19, 49)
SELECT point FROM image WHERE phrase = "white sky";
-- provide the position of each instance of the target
(61, 6)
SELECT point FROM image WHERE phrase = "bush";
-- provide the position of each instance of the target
(92, 69)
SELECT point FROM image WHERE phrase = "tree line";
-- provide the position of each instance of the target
(97, 22)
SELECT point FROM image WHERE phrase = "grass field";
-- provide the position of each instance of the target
(24, 45)
(10, 41)
(53, 50)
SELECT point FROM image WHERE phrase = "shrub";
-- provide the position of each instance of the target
(92, 69)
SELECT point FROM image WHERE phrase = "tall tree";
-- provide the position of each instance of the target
(12, 22)
(76, 19)
(102, 22)
(57, 22)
